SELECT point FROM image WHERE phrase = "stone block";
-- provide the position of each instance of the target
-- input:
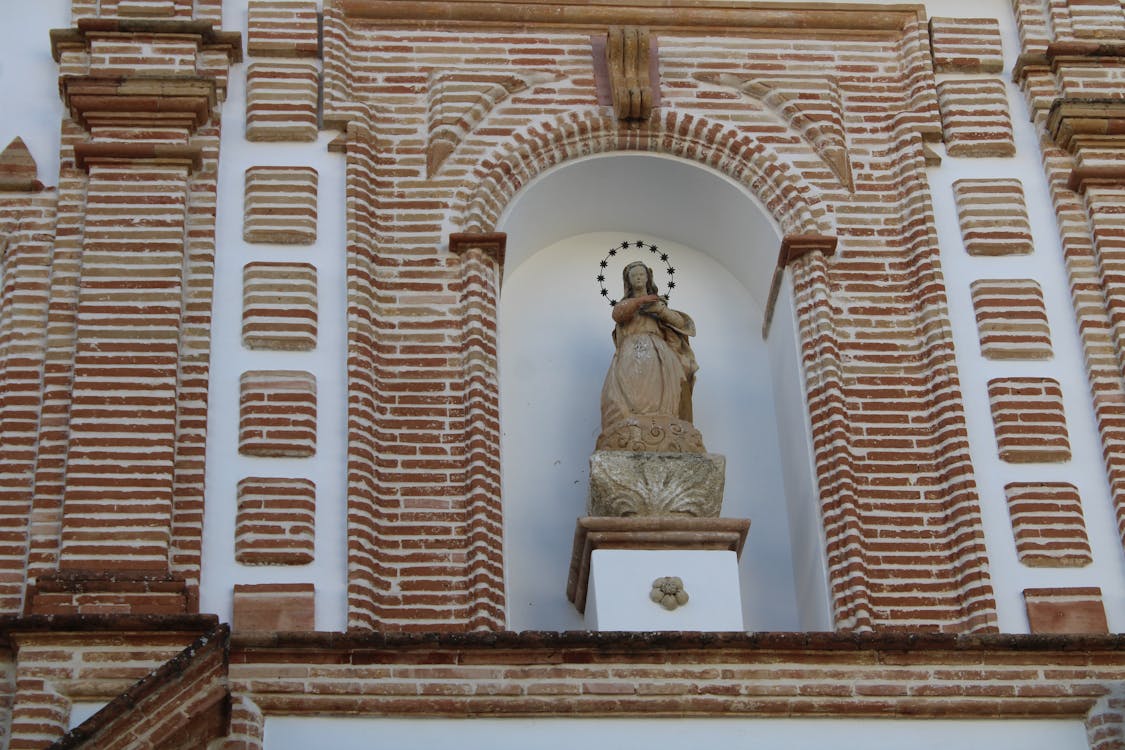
(641, 483)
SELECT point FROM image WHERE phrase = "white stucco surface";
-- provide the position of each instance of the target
(555, 347)
(620, 582)
(29, 76)
(668, 734)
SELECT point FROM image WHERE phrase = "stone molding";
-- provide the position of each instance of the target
(647, 533)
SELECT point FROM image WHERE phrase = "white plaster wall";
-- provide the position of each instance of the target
(660, 734)
(1086, 469)
(555, 347)
(29, 85)
(225, 467)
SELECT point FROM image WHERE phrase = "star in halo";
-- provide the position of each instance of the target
(640, 244)
(671, 270)
(671, 285)
(601, 277)
(605, 292)
(664, 257)
(625, 245)
(604, 263)
(613, 252)
(613, 302)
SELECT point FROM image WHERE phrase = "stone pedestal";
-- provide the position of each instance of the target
(641, 483)
(616, 562)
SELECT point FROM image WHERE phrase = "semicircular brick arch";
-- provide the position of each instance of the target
(788, 197)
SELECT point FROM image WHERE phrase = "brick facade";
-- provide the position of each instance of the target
(832, 116)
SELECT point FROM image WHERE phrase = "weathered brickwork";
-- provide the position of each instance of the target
(786, 134)
(993, 217)
(277, 413)
(1011, 319)
(281, 100)
(210, 10)
(1065, 610)
(86, 660)
(283, 28)
(116, 498)
(26, 237)
(280, 205)
(966, 45)
(1028, 416)
(274, 606)
(276, 521)
(1048, 525)
(1066, 75)
(279, 306)
(975, 119)
(445, 115)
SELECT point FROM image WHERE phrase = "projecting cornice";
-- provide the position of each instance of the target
(208, 37)
(813, 20)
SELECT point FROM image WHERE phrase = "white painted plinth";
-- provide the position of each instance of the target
(621, 579)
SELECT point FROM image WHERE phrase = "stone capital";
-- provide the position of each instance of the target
(492, 244)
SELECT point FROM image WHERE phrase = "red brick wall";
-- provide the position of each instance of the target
(728, 103)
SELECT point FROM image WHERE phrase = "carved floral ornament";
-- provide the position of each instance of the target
(669, 592)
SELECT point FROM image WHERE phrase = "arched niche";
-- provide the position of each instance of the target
(555, 346)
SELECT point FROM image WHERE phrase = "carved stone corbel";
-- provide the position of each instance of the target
(630, 61)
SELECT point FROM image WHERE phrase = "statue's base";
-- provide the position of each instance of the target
(636, 483)
(615, 562)
(653, 432)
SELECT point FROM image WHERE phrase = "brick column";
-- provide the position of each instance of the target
(482, 262)
(120, 458)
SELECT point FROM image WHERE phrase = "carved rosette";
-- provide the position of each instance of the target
(632, 483)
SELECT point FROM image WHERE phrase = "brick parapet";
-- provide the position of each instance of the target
(663, 674)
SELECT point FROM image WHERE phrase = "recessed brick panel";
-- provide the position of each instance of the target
(279, 309)
(275, 524)
(1065, 610)
(974, 117)
(1011, 319)
(280, 205)
(277, 414)
(966, 45)
(274, 606)
(283, 28)
(281, 101)
(1047, 523)
(1027, 414)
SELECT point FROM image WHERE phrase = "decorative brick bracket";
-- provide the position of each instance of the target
(139, 102)
(793, 246)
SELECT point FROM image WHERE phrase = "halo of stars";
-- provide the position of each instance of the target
(637, 246)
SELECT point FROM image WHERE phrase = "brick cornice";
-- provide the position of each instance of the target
(185, 102)
(1084, 177)
(712, 16)
(88, 155)
(207, 35)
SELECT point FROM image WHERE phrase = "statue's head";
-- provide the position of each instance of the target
(626, 277)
